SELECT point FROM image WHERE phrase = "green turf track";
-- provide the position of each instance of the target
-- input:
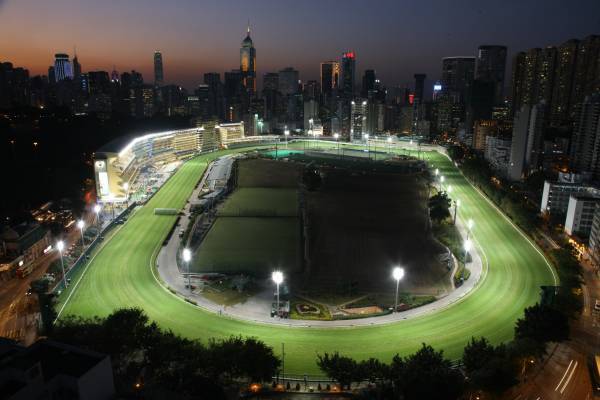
(120, 275)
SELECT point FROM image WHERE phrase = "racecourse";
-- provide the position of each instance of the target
(121, 275)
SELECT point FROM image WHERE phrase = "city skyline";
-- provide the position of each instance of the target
(283, 40)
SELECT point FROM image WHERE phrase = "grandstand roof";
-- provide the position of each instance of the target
(116, 145)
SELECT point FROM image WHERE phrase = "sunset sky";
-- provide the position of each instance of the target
(396, 37)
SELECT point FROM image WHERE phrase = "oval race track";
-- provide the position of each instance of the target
(120, 275)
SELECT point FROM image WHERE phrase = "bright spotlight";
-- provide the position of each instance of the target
(398, 273)
(277, 277)
(187, 255)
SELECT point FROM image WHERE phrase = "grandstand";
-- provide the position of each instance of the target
(118, 164)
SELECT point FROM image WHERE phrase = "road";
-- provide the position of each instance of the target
(565, 374)
(18, 312)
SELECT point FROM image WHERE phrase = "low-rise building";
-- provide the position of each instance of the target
(52, 370)
(21, 245)
(556, 195)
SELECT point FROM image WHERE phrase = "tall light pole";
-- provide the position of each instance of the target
(456, 205)
(470, 224)
(286, 133)
(61, 246)
(467, 249)
(277, 277)
(97, 209)
(442, 179)
(367, 145)
(389, 140)
(337, 141)
(187, 257)
(80, 225)
(398, 274)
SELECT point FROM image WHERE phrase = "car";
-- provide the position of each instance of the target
(597, 305)
(28, 292)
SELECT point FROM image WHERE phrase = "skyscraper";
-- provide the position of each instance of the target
(288, 81)
(62, 67)
(368, 82)
(419, 87)
(457, 76)
(76, 67)
(358, 127)
(491, 67)
(330, 74)
(348, 74)
(248, 64)
(158, 69)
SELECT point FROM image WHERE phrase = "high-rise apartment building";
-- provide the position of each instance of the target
(585, 146)
(561, 109)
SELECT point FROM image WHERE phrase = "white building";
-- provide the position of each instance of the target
(497, 153)
(556, 195)
(594, 243)
(580, 214)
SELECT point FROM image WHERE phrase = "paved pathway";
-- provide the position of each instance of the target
(257, 308)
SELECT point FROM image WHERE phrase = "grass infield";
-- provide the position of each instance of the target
(121, 275)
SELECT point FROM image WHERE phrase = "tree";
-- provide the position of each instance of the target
(456, 152)
(373, 370)
(311, 178)
(497, 375)
(439, 207)
(542, 324)
(477, 353)
(428, 375)
(340, 368)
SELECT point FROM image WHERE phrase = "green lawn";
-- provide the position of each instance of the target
(257, 202)
(250, 245)
(121, 275)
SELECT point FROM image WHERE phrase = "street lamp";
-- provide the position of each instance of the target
(337, 140)
(61, 246)
(80, 225)
(449, 190)
(456, 205)
(389, 140)
(468, 246)
(187, 257)
(366, 135)
(398, 274)
(442, 179)
(286, 133)
(470, 224)
(97, 209)
(437, 172)
(277, 277)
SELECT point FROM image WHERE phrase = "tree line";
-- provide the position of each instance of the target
(484, 369)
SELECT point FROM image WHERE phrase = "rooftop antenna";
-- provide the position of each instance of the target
(248, 26)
